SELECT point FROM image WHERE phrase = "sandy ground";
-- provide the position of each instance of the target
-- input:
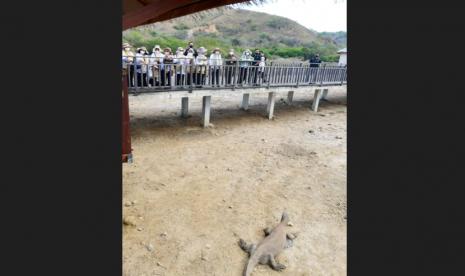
(191, 193)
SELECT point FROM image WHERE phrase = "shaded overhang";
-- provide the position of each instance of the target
(141, 12)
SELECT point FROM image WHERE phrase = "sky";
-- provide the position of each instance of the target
(318, 15)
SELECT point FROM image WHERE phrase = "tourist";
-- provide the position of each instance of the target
(180, 61)
(190, 67)
(314, 63)
(231, 62)
(261, 67)
(128, 61)
(215, 62)
(166, 67)
(141, 66)
(244, 63)
(155, 62)
(256, 57)
(201, 62)
(190, 45)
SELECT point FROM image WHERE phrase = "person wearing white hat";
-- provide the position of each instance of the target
(180, 63)
(201, 61)
(231, 61)
(142, 62)
(245, 62)
(128, 61)
(215, 64)
(156, 61)
(190, 66)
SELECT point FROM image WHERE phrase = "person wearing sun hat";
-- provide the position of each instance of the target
(245, 62)
(180, 63)
(231, 61)
(190, 66)
(128, 61)
(215, 64)
(155, 61)
(201, 61)
(142, 62)
(166, 67)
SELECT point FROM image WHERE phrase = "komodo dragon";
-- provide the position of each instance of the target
(265, 252)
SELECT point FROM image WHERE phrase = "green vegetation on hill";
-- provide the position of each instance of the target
(278, 37)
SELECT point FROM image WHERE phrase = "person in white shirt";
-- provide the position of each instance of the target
(128, 62)
(180, 61)
(190, 66)
(155, 61)
(261, 67)
(245, 61)
(201, 61)
(215, 66)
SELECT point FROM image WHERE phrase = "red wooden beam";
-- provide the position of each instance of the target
(193, 8)
(160, 10)
(150, 11)
(126, 142)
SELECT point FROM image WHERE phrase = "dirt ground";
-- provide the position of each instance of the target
(191, 193)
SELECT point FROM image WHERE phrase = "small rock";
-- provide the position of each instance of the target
(134, 202)
(338, 137)
(149, 247)
(264, 140)
(290, 224)
(211, 125)
(129, 220)
(208, 246)
(216, 134)
(141, 218)
(139, 229)
(206, 167)
(164, 234)
(322, 115)
(338, 204)
(230, 207)
(127, 203)
(310, 131)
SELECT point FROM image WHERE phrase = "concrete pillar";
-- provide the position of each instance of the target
(290, 97)
(316, 100)
(325, 94)
(206, 111)
(184, 106)
(270, 106)
(245, 101)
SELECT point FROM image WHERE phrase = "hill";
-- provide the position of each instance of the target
(239, 29)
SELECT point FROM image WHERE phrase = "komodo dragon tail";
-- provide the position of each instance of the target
(253, 261)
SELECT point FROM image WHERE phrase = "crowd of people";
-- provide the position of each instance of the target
(190, 66)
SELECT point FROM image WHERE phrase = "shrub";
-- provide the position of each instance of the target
(181, 27)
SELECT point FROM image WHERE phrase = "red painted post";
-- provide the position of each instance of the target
(126, 142)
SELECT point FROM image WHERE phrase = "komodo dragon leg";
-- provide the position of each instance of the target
(249, 248)
(267, 231)
(275, 265)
